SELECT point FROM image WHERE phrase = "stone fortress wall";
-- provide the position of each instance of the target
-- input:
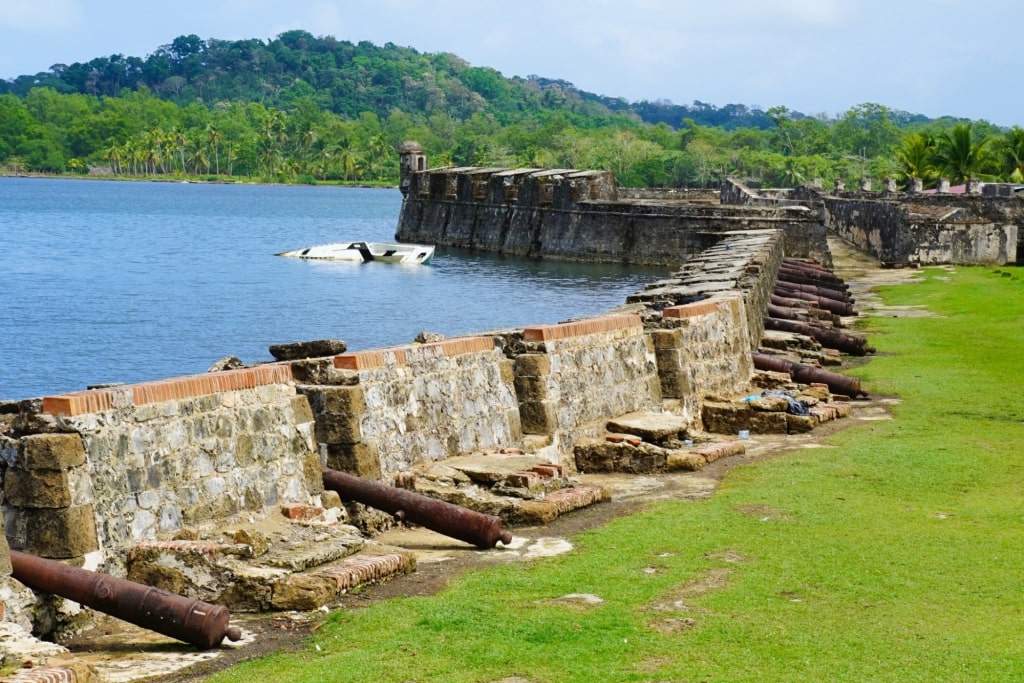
(983, 225)
(89, 476)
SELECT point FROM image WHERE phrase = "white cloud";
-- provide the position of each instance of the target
(52, 16)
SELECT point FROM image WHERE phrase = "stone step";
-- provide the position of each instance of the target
(651, 427)
(310, 590)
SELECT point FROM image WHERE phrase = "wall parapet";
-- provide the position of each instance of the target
(176, 388)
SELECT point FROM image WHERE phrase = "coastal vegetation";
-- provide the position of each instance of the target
(301, 108)
(890, 554)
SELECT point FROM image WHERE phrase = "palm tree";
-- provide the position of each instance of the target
(959, 157)
(213, 137)
(915, 157)
(1012, 148)
(379, 149)
(113, 155)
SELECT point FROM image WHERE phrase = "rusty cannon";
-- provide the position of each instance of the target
(483, 531)
(826, 336)
(827, 303)
(806, 374)
(192, 621)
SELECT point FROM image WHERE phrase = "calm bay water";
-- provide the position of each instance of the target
(128, 282)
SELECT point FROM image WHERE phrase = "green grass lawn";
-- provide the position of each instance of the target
(897, 554)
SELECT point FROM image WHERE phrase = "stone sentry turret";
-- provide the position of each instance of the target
(411, 159)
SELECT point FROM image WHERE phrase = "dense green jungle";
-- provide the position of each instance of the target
(307, 109)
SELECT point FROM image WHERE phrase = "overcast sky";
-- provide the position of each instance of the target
(933, 57)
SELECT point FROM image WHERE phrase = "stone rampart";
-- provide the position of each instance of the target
(413, 404)
(119, 465)
(922, 229)
(574, 376)
(579, 215)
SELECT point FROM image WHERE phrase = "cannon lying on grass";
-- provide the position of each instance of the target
(483, 531)
(806, 374)
(192, 621)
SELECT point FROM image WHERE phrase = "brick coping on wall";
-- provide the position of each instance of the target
(579, 328)
(699, 308)
(403, 355)
(175, 388)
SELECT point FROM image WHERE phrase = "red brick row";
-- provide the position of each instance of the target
(691, 310)
(44, 675)
(175, 388)
(579, 328)
(363, 569)
(402, 355)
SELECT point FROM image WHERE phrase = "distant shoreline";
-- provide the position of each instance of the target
(196, 181)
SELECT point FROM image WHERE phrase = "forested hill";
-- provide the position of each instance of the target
(308, 109)
(349, 79)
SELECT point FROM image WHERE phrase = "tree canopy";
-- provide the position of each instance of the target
(309, 109)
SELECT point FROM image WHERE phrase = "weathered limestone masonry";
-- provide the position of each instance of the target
(910, 228)
(576, 375)
(382, 411)
(579, 215)
(708, 318)
(111, 467)
(925, 229)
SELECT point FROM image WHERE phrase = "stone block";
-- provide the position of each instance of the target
(652, 427)
(724, 417)
(358, 459)
(531, 389)
(768, 423)
(773, 404)
(317, 348)
(532, 365)
(301, 410)
(508, 371)
(346, 400)
(672, 373)
(338, 428)
(58, 534)
(667, 339)
(312, 472)
(5, 559)
(593, 455)
(52, 451)
(37, 488)
(682, 460)
(799, 424)
(302, 592)
(537, 417)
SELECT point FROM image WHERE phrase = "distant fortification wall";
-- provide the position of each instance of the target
(897, 228)
(579, 215)
(923, 229)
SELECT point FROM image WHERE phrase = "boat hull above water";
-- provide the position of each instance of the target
(364, 252)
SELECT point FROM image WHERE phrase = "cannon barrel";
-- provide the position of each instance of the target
(192, 621)
(805, 374)
(829, 304)
(826, 336)
(483, 531)
(814, 289)
(789, 275)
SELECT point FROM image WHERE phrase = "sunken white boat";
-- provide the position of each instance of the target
(364, 252)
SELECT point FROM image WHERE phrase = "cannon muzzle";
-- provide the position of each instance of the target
(192, 621)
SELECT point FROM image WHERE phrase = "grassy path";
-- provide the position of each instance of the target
(893, 555)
